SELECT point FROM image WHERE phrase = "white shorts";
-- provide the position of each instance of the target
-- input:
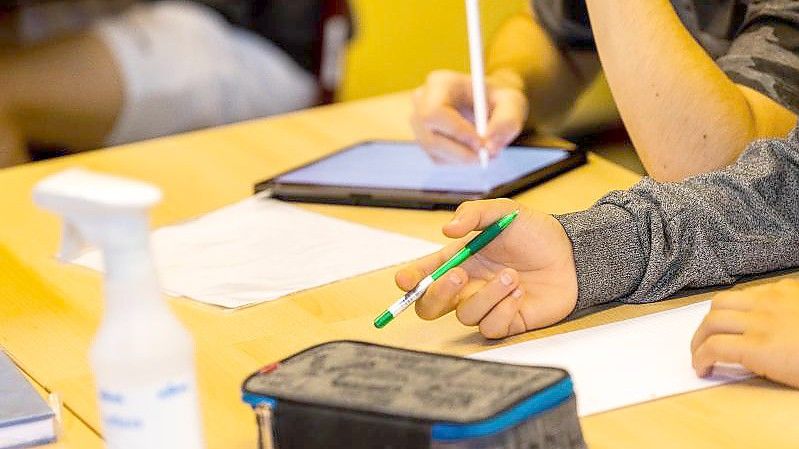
(184, 68)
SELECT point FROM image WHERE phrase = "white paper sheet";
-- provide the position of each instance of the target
(262, 249)
(624, 363)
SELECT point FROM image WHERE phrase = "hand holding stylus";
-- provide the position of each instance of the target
(442, 118)
(442, 108)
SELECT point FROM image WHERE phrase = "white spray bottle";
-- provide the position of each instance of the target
(143, 358)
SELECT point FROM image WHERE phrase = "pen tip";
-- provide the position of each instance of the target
(383, 319)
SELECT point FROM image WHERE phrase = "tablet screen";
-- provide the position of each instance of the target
(398, 165)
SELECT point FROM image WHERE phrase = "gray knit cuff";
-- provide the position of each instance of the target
(608, 253)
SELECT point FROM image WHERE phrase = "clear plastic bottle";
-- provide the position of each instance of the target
(143, 358)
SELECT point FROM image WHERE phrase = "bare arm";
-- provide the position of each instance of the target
(12, 149)
(684, 114)
(65, 93)
(523, 56)
(532, 83)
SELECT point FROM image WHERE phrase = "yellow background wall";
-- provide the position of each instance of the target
(400, 41)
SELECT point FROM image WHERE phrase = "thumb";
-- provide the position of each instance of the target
(477, 215)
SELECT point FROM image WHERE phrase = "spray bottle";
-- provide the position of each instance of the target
(143, 358)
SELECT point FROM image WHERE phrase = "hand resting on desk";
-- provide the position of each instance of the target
(757, 327)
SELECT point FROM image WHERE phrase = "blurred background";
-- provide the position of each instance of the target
(59, 92)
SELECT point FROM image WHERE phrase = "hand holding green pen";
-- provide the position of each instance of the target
(522, 280)
(472, 247)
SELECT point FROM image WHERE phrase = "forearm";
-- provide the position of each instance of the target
(65, 93)
(12, 149)
(647, 243)
(523, 56)
(684, 115)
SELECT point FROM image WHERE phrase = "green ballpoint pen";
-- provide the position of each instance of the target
(476, 244)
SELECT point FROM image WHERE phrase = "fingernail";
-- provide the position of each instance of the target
(505, 278)
(455, 279)
(517, 293)
(455, 221)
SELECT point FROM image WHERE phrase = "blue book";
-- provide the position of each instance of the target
(25, 418)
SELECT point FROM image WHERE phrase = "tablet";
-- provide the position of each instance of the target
(400, 174)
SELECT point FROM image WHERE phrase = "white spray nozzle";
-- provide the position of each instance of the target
(72, 243)
(101, 209)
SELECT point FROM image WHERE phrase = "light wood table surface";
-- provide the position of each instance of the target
(49, 312)
(73, 433)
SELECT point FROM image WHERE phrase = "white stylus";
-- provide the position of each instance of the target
(478, 74)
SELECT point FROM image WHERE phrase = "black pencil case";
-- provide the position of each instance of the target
(355, 395)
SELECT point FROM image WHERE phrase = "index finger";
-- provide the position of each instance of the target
(410, 275)
(719, 322)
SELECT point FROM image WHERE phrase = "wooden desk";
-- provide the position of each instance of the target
(49, 312)
(74, 433)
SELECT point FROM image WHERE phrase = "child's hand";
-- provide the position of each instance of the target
(525, 279)
(757, 328)
(443, 117)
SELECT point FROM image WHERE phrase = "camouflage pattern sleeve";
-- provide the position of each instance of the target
(765, 52)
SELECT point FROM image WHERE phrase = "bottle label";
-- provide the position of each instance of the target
(165, 415)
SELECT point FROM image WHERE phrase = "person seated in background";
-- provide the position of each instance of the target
(694, 81)
(137, 70)
(637, 246)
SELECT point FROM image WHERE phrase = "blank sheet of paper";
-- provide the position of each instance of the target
(623, 363)
(262, 249)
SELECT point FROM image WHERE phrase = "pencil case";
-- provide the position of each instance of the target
(355, 395)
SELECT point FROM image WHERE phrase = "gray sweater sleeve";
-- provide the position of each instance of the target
(646, 243)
